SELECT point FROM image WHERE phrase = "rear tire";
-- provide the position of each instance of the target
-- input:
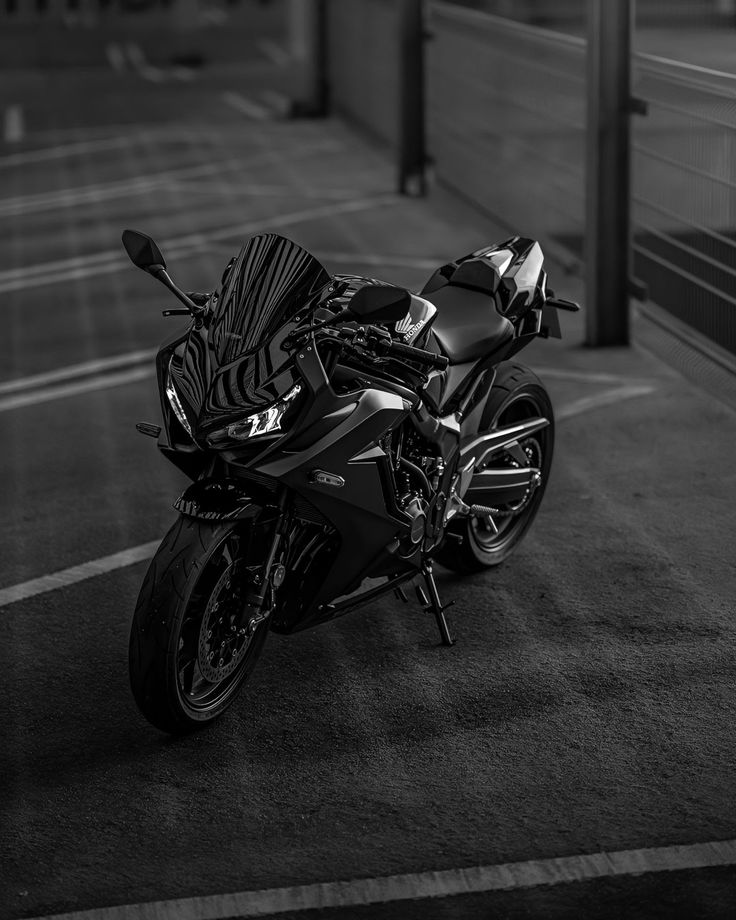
(517, 394)
(194, 577)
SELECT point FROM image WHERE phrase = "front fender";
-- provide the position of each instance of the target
(218, 500)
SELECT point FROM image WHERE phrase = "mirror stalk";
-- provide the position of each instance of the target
(160, 273)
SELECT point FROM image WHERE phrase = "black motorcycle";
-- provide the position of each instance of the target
(335, 429)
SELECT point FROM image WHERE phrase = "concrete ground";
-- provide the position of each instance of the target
(587, 706)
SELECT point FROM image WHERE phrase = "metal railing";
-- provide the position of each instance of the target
(684, 193)
(506, 121)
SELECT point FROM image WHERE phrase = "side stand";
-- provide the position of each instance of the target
(432, 604)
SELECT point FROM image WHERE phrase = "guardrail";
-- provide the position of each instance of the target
(684, 193)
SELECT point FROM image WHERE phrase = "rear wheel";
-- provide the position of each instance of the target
(476, 543)
(191, 648)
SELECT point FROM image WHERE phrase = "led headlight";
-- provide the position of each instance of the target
(267, 421)
(176, 405)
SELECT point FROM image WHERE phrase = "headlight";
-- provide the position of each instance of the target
(267, 421)
(176, 406)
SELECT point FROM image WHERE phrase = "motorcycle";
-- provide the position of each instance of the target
(336, 429)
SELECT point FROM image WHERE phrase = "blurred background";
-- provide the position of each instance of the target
(589, 705)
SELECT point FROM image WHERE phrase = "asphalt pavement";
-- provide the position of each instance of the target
(587, 707)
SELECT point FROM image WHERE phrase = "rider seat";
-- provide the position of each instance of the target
(467, 326)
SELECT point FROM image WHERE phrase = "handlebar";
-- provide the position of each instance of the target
(397, 350)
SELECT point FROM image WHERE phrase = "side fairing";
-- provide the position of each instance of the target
(358, 509)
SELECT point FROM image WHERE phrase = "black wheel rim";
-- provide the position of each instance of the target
(494, 540)
(214, 643)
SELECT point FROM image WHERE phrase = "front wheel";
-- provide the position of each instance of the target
(476, 543)
(191, 648)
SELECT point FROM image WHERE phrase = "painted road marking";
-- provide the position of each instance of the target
(13, 124)
(601, 400)
(77, 573)
(41, 201)
(84, 369)
(368, 258)
(64, 390)
(141, 66)
(106, 564)
(83, 194)
(414, 886)
(115, 57)
(122, 188)
(100, 144)
(100, 263)
(278, 102)
(130, 358)
(246, 106)
(207, 187)
(65, 150)
(584, 376)
(89, 376)
(280, 56)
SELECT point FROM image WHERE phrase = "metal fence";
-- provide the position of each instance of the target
(507, 105)
(506, 126)
(684, 193)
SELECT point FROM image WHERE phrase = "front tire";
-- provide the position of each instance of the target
(472, 544)
(189, 651)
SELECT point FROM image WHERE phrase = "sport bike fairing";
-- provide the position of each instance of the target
(238, 365)
(334, 430)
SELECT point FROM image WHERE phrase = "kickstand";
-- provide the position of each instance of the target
(432, 604)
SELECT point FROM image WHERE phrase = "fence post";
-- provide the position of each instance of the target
(308, 39)
(607, 226)
(411, 153)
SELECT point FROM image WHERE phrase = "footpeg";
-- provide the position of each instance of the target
(400, 595)
(432, 604)
(483, 511)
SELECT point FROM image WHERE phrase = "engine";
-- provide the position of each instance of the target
(418, 472)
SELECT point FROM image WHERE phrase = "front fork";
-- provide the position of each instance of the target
(267, 577)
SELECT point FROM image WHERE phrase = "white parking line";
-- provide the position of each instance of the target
(64, 150)
(87, 570)
(77, 573)
(584, 376)
(141, 66)
(115, 57)
(112, 260)
(280, 56)
(421, 885)
(122, 188)
(246, 106)
(71, 371)
(64, 390)
(372, 258)
(601, 400)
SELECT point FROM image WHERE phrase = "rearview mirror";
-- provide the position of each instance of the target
(380, 303)
(142, 250)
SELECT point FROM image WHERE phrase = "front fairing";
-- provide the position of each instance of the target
(234, 364)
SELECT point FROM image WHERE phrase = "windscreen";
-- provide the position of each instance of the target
(270, 280)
